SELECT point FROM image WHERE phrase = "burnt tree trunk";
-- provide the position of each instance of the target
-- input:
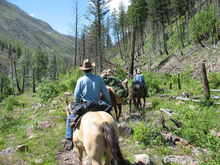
(179, 84)
(16, 77)
(205, 82)
(132, 50)
(33, 76)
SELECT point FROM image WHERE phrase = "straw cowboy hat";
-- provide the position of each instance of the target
(86, 65)
(139, 71)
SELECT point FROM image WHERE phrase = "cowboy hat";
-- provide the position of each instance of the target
(86, 65)
(139, 71)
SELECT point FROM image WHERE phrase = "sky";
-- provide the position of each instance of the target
(59, 13)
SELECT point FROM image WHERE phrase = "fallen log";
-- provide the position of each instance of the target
(176, 139)
(215, 90)
(167, 111)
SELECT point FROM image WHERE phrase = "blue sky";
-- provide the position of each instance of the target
(57, 13)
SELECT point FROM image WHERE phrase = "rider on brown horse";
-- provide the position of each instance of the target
(139, 78)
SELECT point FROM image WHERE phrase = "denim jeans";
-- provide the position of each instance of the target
(69, 131)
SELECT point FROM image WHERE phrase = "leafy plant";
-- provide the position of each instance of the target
(10, 103)
(47, 90)
(148, 134)
(7, 122)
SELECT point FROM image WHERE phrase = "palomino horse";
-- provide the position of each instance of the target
(135, 94)
(97, 133)
(116, 101)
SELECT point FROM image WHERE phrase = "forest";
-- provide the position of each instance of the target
(174, 42)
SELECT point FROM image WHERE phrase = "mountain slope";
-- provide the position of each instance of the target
(16, 25)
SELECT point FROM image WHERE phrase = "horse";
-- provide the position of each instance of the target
(136, 92)
(97, 134)
(115, 100)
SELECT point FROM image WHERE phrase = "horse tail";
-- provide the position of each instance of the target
(109, 134)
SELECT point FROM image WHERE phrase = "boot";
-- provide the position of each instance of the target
(68, 145)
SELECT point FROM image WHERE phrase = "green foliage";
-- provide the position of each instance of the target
(148, 134)
(120, 73)
(7, 122)
(153, 82)
(47, 90)
(202, 28)
(7, 90)
(10, 103)
(155, 102)
(215, 80)
(196, 126)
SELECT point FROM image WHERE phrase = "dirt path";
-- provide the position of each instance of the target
(65, 157)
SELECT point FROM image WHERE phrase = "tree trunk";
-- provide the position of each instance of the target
(16, 77)
(132, 51)
(205, 82)
(23, 81)
(179, 84)
(33, 76)
(12, 77)
(84, 47)
(2, 81)
(218, 17)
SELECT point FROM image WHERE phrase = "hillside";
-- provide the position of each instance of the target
(18, 26)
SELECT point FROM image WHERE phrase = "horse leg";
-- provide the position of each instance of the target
(80, 154)
(116, 112)
(135, 103)
(119, 108)
(144, 103)
(108, 157)
(129, 106)
(139, 104)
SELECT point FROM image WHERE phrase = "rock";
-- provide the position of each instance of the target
(22, 148)
(142, 159)
(124, 129)
(45, 124)
(213, 132)
(182, 160)
(38, 161)
(7, 151)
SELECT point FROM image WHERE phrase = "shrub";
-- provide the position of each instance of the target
(47, 90)
(148, 134)
(120, 73)
(7, 122)
(10, 103)
(153, 82)
(215, 79)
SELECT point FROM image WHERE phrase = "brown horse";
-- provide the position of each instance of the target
(136, 92)
(116, 101)
(97, 134)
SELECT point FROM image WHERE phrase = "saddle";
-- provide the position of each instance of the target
(92, 106)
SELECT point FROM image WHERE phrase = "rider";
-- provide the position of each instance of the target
(88, 88)
(140, 79)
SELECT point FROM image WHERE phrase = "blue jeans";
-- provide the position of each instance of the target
(69, 131)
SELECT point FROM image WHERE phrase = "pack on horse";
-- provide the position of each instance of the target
(97, 133)
(136, 92)
(116, 101)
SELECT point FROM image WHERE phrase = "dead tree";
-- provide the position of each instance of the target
(205, 81)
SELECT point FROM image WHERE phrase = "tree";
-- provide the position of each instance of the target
(137, 13)
(74, 29)
(98, 8)
(40, 63)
